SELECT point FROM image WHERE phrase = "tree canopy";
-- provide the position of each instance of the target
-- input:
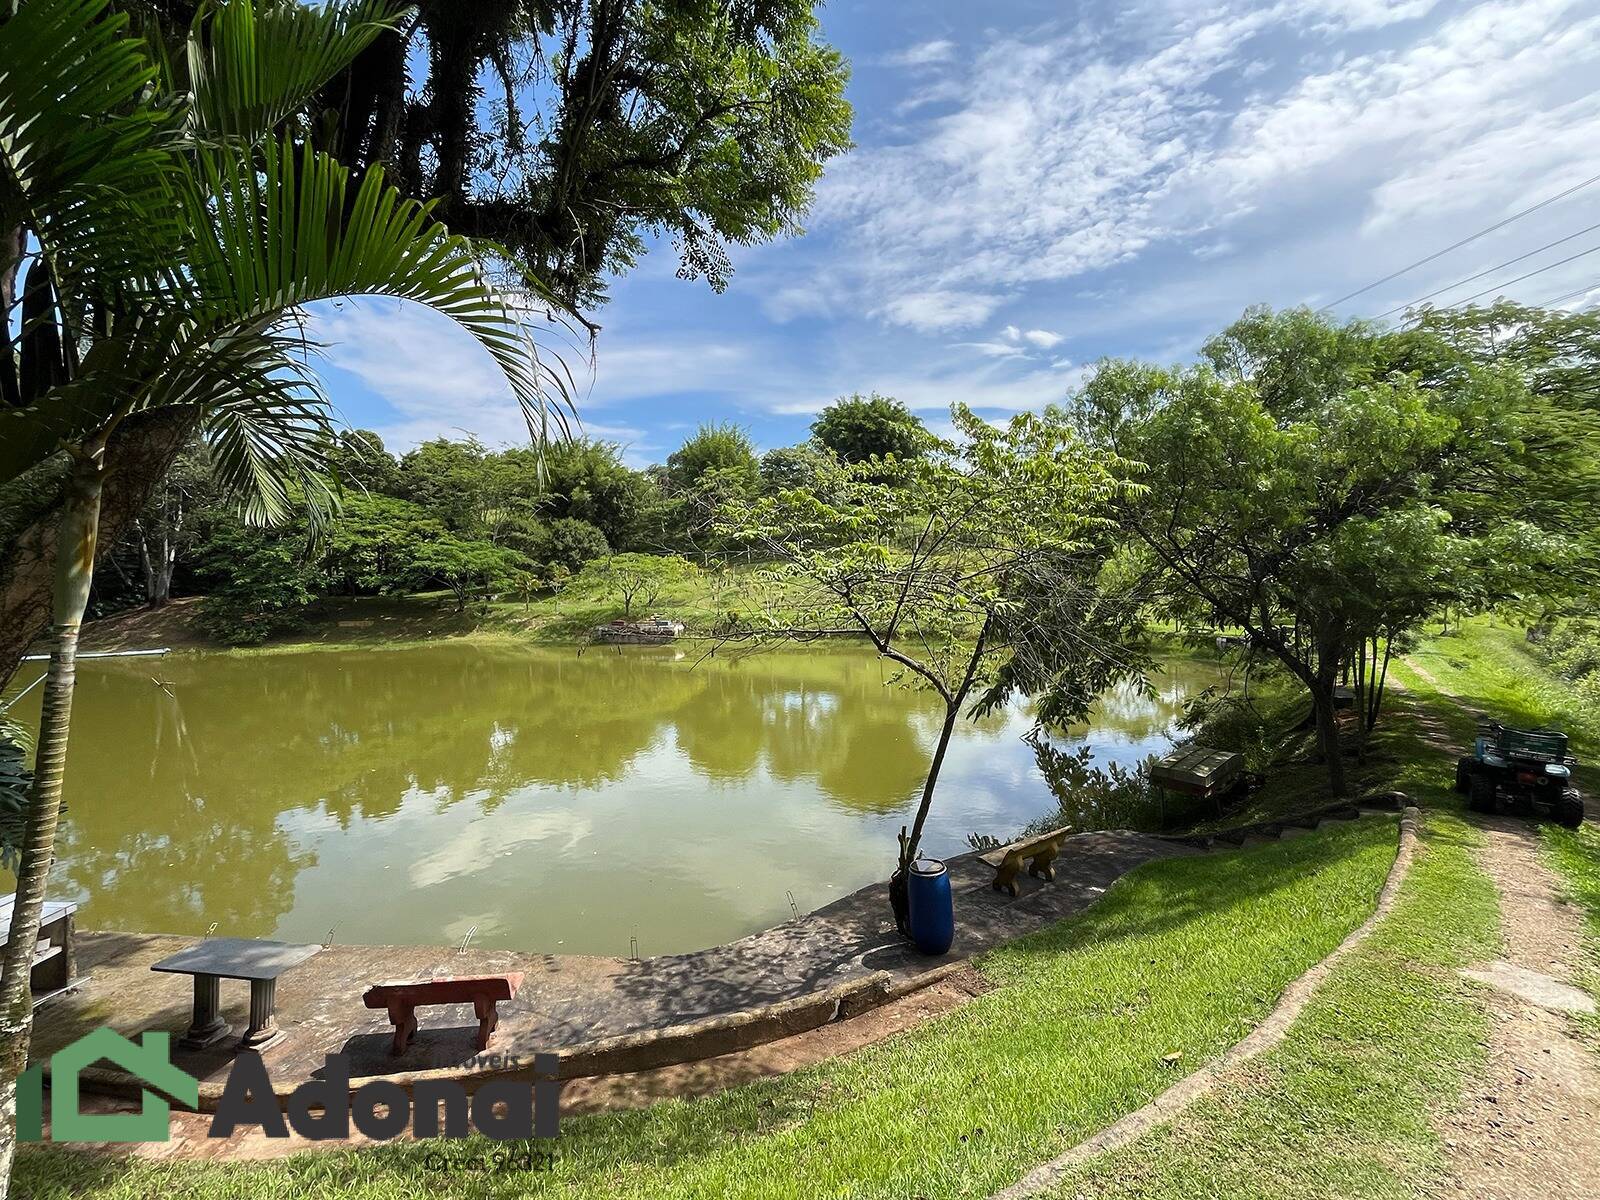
(977, 568)
(858, 427)
(714, 447)
(1323, 486)
(573, 131)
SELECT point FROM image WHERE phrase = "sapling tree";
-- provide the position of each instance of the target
(636, 578)
(979, 569)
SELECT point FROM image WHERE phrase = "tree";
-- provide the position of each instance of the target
(788, 467)
(465, 566)
(452, 481)
(978, 568)
(370, 546)
(359, 461)
(611, 120)
(172, 242)
(636, 578)
(265, 586)
(714, 447)
(574, 542)
(858, 427)
(587, 480)
(1309, 485)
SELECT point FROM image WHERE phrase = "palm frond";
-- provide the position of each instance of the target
(252, 68)
(282, 233)
(85, 161)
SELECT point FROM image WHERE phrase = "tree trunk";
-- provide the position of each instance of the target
(1328, 734)
(74, 561)
(952, 711)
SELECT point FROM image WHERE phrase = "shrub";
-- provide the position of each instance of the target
(574, 542)
(265, 587)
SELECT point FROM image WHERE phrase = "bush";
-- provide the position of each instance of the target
(1571, 649)
(265, 587)
(574, 542)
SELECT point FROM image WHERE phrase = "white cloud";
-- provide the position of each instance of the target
(1045, 339)
(993, 349)
(923, 54)
(939, 309)
(1071, 152)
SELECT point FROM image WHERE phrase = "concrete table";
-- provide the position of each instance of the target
(235, 958)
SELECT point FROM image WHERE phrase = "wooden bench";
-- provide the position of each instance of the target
(1038, 852)
(402, 1000)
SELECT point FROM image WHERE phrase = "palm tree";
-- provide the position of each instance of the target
(177, 220)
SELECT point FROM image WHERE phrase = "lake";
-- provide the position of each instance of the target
(533, 798)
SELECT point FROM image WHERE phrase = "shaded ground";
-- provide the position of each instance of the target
(567, 1001)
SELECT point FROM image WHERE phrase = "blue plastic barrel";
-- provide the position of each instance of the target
(933, 909)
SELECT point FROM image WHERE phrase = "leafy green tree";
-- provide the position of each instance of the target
(608, 121)
(1308, 485)
(636, 578)
(172, 239)
(370, 546)
(858, 427)
(714, 447)
(587, 481)
(574, 542)
(788, 467)
(266, 583)
(359, 461)
(451, 480)
(977, 568)
(465, 567)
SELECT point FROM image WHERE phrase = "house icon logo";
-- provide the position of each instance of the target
(149, 1059)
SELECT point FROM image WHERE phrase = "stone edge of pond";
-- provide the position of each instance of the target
(649, 1049)
(728, 1033)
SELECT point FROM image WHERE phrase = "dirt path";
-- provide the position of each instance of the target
(1527, 1130)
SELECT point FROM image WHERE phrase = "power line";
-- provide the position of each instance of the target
(1572, 295)
(1450, 287)
(1497, 287)
(1463, 242)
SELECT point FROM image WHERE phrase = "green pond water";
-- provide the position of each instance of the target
(536, 799)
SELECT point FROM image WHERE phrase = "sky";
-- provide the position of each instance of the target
(1065, 182)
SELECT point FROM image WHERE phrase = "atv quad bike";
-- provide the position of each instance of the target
(1527, 770)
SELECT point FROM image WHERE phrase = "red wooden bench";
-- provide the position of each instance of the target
(402, 1000)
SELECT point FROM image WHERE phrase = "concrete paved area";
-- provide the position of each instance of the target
(569, 1001)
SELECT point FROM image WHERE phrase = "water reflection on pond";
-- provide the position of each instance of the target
(553, 802)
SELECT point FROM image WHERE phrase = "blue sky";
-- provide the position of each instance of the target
(1066, 182)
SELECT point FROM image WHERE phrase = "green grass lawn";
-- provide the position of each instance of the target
(1341, 1110)
(1178, 958)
